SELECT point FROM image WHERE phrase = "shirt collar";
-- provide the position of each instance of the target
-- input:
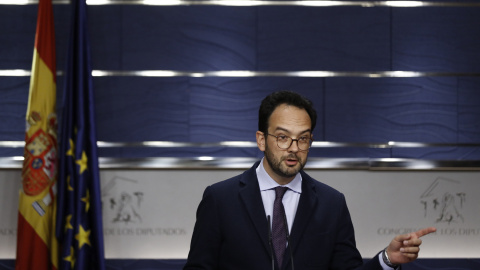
(266, 182)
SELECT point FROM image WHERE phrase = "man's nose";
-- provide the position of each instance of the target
(294, 146)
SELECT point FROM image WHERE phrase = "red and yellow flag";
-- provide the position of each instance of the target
(37, 247)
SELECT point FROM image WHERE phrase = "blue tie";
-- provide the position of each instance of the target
(279, 236)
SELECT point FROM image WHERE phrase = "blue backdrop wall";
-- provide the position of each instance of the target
(361, 99)
(438, 105)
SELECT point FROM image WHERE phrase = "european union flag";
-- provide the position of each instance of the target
(79, 216)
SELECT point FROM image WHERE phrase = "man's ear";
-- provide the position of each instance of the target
(261, 140)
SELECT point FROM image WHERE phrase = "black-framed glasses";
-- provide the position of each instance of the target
(284, 142)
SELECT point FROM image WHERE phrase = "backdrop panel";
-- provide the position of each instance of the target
(150, 214)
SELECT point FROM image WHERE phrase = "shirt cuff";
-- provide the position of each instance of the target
(382, 263)
(384, 266)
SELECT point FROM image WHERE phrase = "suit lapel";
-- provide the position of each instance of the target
(306, 205)
(250, 195)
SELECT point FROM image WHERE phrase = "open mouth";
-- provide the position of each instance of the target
(291, 161)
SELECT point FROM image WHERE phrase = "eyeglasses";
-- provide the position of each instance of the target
(284, 142)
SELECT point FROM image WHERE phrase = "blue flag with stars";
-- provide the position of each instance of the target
(79, 214)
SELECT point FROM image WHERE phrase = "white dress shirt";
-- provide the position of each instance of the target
(290, 199)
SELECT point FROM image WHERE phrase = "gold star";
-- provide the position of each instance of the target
(83, 237)
(82, 162)
(68, 184)
(70, 258)
(71, 151)
(68, 223)
(86, 200)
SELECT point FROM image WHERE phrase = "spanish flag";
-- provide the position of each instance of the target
(37, 247)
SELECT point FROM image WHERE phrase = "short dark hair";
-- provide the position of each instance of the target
(272, 101)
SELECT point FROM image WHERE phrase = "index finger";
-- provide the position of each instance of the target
(425, 231)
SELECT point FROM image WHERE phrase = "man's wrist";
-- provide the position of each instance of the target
(387, 261)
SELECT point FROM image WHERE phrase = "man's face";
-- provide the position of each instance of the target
(283, 164)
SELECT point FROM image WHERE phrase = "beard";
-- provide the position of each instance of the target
(278, 165)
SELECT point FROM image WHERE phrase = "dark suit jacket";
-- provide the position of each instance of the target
(231, 231)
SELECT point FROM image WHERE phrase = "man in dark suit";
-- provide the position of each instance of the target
(275, 216)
